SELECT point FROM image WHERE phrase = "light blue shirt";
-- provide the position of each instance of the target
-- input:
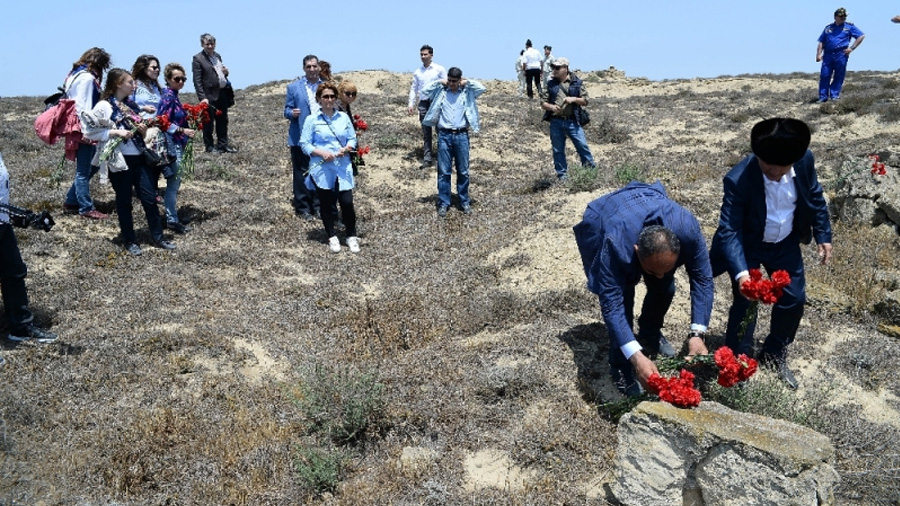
(147, 96)
(330, 134)
(453, 111)
(437, 92)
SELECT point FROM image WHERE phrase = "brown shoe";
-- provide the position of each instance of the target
(95, 215)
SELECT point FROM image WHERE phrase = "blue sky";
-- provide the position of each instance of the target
(266, 40)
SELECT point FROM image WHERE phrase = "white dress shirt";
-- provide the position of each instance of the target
(422, 77)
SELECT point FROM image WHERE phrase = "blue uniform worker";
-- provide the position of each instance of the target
(833, 51)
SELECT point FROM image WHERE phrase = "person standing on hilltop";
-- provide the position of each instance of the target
(638, 233)
(520, 73)
(562, 103)
(212, 87)
(833, 51)
(454, 112)
(546, 63)
(428, 73)
(532, 68)
(772, 203)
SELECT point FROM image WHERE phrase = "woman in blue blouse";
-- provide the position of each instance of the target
(328, 138)
(170, 107)
(147, 92)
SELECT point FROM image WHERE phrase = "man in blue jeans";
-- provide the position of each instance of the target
(454, 112)
(562, 102)
(834, 51)
(633, 234)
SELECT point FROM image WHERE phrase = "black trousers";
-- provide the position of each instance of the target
(329, 200)
(12, 281)
(217, 122)
(533, 75)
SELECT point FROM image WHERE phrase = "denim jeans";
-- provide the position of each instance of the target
(80, 192)
(172, 185)
(559, 129)
(453, 146)
(137, 177)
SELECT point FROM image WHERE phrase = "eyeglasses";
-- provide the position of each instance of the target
(350, 93)
(328, 97)
(180, 79)
(557, 67)
(452, 81)
(153, 68)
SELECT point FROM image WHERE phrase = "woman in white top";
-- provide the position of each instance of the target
(112, 118)
(83, 86)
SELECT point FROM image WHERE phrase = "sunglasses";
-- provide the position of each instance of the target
(350, 93)
(328, 97)
(180, 79)
(556, 67)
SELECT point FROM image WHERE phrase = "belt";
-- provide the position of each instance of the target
(453, 130)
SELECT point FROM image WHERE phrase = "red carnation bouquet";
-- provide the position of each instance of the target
(678, 391)
(767, 291)
(197, 116)
(356, 155)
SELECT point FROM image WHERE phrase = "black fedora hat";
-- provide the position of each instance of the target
(780, 141)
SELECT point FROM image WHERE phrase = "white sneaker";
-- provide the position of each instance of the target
(353, 244)
(334, 244)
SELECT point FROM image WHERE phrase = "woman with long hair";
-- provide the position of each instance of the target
(178, 135)
(83, 86)
(147, 92)
(328, 139)
(347, 93)
(111, 118)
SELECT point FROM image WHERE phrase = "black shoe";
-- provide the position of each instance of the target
(32, 333)
(177, 227)
(306, 216)
(625, 381)
(227, 149)
(70, 209)
(2, 361)
(212, 149)
(134, 249)
(466, 208)
(163, 244)
(442, 211)
(779, 365)
(426, 164)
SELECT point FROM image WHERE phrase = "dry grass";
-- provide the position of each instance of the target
(177, 375)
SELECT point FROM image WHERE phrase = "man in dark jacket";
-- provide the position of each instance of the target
(772, 203)
(212, 86)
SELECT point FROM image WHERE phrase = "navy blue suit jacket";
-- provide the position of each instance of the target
(606, 238)
(296, 99)
(742, 219)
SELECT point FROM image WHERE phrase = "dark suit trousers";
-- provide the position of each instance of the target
(786, 313)
(219, 122)
(660, 292)
(305, 200)
(12, 281)
(533, 76)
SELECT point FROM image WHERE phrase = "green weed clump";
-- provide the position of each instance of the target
(320, 469)
(582, 178)
(340, 403)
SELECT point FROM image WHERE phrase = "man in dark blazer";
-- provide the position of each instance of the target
(772, 203)
(639, 233)
(210, 79)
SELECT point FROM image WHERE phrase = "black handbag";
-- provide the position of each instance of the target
(226, 96)
(583, 117)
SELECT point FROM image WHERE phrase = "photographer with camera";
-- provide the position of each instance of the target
(20, 321)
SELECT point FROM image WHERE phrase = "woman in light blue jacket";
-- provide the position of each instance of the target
(328, 138)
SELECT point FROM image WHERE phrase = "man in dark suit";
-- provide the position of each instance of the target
(639, 233)
(772, 203)
(210, 79)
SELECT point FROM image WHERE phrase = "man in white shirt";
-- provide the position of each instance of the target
(520, 73)
(428, 73)
(772, 204)
(532, 67)
(546, 64)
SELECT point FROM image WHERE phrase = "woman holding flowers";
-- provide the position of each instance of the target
(347, 95)
(328, 138)
(114, 124)
(178, 134)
